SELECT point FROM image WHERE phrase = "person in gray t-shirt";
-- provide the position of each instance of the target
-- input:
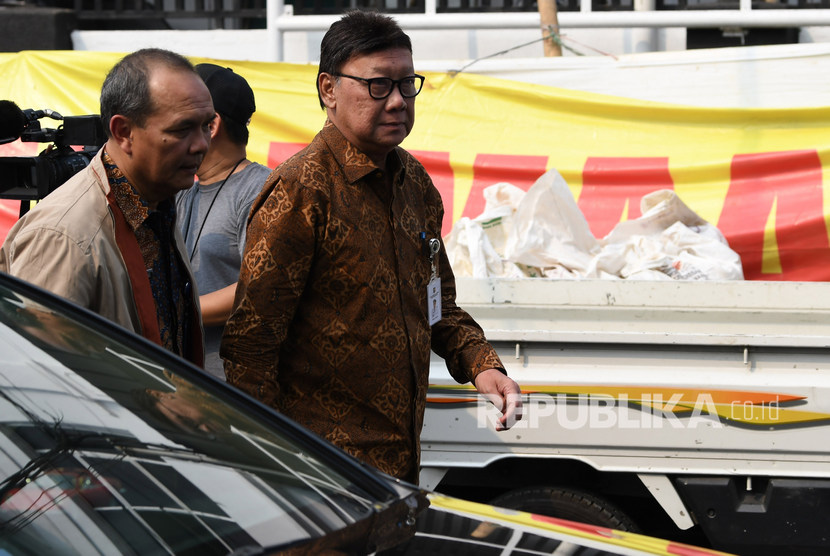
(213, 214)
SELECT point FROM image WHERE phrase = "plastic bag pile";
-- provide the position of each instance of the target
(542, 233)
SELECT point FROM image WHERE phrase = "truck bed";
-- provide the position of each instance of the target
(648, 377)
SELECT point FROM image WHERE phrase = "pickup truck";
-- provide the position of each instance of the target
(692, 410)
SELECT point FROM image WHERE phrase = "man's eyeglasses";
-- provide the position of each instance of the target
(381, 87)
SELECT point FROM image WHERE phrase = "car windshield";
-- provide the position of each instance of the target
(107, 445)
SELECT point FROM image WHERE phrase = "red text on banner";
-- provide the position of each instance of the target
(279, 152)
(437, 165)
(488, 169)
(610, 184)
(792, 182)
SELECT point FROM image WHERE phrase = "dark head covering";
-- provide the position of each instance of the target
(232, 96)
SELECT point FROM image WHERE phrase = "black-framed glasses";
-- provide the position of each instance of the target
(381, 87)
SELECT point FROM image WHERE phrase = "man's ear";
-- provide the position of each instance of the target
(326, 83)
(214, 125)
(121, 129)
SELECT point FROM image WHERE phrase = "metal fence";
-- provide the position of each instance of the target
(318, 7)
(157, 14)
(252, 14)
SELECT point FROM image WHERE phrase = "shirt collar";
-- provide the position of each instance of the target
(135, 209)
(355, 164)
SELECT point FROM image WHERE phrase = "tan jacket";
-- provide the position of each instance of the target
(77, 244)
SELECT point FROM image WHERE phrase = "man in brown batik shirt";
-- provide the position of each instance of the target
(333, 321)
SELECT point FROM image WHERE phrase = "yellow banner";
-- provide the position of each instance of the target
(755, 173)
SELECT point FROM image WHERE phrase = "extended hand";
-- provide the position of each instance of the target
(504, 393)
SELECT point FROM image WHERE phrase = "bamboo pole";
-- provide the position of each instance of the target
(550, 22)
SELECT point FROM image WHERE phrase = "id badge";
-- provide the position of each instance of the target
(434, 300)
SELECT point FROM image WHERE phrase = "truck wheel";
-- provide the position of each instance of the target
(568, 504)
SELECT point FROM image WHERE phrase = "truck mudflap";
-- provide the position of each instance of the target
(757, 515)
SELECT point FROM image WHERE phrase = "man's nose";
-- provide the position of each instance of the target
(395, 100)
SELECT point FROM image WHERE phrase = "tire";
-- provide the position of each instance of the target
(567, 504)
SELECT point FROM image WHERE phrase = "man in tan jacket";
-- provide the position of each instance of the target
(107, 239)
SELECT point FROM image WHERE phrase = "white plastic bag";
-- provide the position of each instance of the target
(542, 233)
(475, 246)
(500, 203)
(549, 230)
(668, 239)
(470, 251)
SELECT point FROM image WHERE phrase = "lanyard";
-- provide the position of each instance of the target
(218, 190)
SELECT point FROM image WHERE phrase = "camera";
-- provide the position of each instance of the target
(34, 177)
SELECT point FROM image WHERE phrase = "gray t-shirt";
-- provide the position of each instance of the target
(216, 252)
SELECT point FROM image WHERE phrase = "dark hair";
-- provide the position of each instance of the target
(237, 133)
(126, 89)
(355, 34)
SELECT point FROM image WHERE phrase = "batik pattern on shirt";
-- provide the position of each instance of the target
(330, 325)
(154, 231)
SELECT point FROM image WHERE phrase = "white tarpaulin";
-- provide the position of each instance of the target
(775, 76)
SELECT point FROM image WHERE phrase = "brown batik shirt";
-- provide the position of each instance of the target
(330, 325)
